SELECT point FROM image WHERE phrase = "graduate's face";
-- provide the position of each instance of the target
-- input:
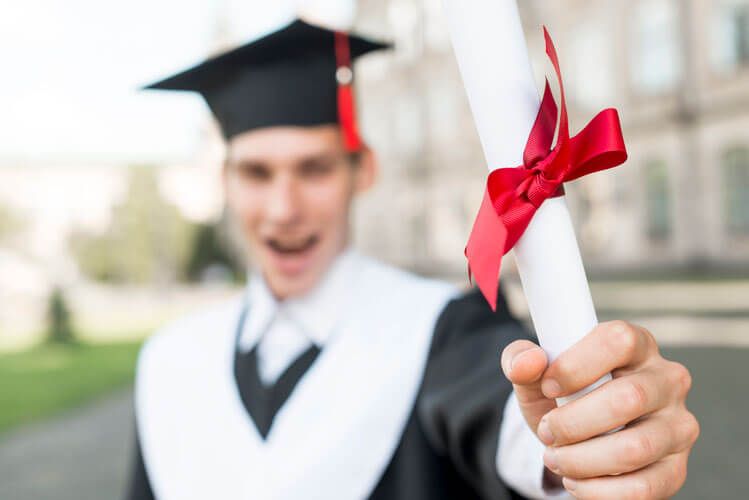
(291, 189)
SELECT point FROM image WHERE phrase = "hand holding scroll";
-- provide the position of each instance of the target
(645, 460)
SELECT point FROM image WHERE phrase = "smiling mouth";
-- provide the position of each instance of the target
(292, 247)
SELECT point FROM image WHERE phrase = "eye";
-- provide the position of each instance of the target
(316, 168)
(253, 172)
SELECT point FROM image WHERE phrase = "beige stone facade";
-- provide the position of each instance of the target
(678, 71)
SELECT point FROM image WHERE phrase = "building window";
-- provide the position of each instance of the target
(655, 56)
(736, 191)
(592, 74)
(730, 35)
(407, 28)
(657, 201)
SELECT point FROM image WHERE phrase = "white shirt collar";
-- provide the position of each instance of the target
(315, 313)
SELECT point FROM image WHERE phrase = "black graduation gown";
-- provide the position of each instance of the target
(448, 448)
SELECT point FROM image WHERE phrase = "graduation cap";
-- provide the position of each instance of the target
(299, 75)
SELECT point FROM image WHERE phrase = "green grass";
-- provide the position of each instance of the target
(49, 378)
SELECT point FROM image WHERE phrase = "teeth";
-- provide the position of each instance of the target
(291, 248)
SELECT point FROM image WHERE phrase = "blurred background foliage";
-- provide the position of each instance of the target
(60, 330)
(10, 223)
(150, 241)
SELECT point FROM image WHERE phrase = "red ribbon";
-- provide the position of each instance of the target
(513, 195)
(346, 107)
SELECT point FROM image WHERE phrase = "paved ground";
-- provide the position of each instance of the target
(81, 455)
(720, 461)
(84, 455)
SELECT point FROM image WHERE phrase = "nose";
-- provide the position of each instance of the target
(283, 207)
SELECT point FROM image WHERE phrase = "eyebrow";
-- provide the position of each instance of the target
(320, 157)
(246, 162)
(260, 162)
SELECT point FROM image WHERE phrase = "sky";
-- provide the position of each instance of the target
(70, 103)
(71, 72)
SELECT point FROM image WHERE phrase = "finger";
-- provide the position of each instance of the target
(659, 480)
(611, 345)
(612, 405)
(523, 362)
(631, 449)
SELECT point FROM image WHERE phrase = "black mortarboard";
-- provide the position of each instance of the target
(298, 75)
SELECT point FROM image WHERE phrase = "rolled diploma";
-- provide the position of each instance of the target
(490, 47)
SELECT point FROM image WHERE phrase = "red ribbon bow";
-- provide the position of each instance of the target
(513, 195)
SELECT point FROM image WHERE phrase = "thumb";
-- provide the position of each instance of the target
(524, 363)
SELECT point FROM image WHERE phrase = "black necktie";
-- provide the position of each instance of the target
(263, 402)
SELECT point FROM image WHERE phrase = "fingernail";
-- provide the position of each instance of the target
(551, 388)
(550, 460)
(569, 484)
(506, 364)
(544, 432)
(520, 354)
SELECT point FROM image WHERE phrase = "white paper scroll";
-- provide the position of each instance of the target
(492, 54)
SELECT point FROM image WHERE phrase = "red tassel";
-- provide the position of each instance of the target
(347, 117)
(346, 106)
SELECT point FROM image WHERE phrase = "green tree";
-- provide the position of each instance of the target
(211, 248)
(59, 329)
(148, 239)
(10, 222)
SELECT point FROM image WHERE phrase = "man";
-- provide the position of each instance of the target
(335, 376)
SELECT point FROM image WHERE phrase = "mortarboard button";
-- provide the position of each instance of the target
(344, 75)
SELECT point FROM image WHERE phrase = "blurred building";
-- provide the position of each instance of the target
(678, 70)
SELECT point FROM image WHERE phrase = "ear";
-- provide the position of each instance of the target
(226, 181)
(225, 175)
(367, 170)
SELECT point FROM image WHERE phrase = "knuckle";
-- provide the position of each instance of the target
(677, 477)
(631, 402)
(638, 451)
(640, 489)
(568, 466)
(563, 429)
(683, 379)
(618, 326)
(622, 337)
(679, 474)
(692, 427)
(649, 338)
(564, 369)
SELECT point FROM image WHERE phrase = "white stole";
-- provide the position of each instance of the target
(335, 435)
